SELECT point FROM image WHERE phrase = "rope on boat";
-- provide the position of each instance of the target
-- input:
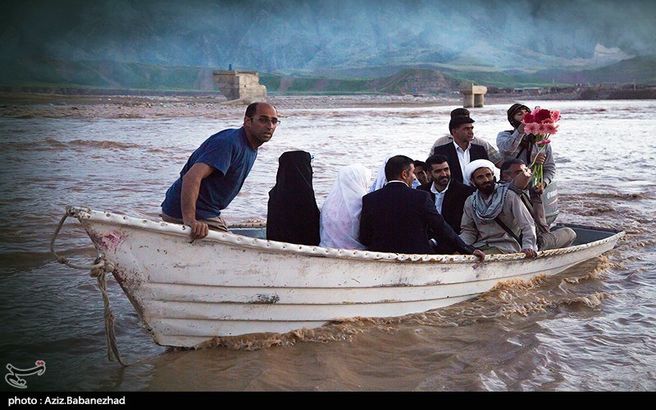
(64, 260)
(99, 271)
(110, 335)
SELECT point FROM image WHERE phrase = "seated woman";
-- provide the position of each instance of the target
(292, 212)
(340, 213)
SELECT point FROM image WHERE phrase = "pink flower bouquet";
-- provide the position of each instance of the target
(541, 123)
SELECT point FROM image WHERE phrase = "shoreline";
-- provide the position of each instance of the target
(34, 105)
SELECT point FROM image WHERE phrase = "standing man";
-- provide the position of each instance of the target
(216, 171)
(492, 153)
(461, 151)
(516, 143)
(396, 218)
(448, 195)
(494, 218)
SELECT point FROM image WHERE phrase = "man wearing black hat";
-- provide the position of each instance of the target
(492, 152)
(461, 151)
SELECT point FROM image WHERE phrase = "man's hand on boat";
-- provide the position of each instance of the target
(199, 229)
(530, 253)
(479, 254)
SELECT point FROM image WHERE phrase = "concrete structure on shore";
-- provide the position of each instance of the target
(240, 85)
(473, 95)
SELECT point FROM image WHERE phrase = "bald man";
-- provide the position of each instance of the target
(215, 172)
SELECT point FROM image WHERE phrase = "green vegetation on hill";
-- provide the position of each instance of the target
(106, 74)
(425, 80)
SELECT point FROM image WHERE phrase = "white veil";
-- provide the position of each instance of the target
(381, 179)
(340, 214)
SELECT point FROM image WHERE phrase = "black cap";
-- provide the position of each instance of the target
(460, 112)
(458, 121)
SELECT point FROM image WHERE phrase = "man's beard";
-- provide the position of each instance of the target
(487, 188)
(442, 182)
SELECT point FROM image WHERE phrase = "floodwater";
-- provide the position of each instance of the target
(592, 327)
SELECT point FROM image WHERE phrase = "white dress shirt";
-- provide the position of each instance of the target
(464, 159)
(439, 196)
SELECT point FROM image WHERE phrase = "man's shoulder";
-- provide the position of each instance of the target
(445, 139)
(458, 186)
(444, 148)
(468, 201)
(481, 142)
(417, 194)
(230, 135)
(425, 187)
(371, 196)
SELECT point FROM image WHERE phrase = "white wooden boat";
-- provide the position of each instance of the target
(231, 284)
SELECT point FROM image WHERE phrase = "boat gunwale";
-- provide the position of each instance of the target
(83, 213)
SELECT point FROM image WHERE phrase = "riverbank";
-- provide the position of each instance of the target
(24, 105)
(49, 105)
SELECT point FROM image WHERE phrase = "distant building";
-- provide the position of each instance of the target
(473, 95)
(528, 90)
(240, 85)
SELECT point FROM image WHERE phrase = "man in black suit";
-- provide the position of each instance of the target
(396, 218)
(447, 194)
(461, 151)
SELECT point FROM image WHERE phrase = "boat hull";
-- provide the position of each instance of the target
(227, 284)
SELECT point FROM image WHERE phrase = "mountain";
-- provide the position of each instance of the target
(123, 42)
(641, 70)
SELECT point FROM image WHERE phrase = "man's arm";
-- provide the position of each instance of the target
(468, 231)
(549, 170)
(524, 220)
(492, 153)
(445, 232)
(190, 189)
(508, 143)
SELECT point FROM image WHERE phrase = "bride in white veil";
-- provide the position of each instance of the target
(340, 213)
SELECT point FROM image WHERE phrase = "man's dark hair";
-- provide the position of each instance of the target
(436, 159)
(458, 121)
(251, 110)
(396, 165)
(508, 163)
(460, 112)
(418, 163)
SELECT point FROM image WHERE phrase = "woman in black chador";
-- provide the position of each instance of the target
(293, 215)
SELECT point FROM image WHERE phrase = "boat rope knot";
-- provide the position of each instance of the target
(112, 348)
(99, 271)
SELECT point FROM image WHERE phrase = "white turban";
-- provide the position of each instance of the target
(474, 165)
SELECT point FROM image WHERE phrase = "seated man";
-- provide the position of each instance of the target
(492, 153)
(396, 218)
(448, 195)
(462, 150)
(422, 172)
(515, 172)
(494, 218)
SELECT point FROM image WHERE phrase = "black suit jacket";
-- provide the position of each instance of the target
(449, 151)
(396, 219)
(454, 202)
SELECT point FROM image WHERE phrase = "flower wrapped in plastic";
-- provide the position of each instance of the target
(541, 123)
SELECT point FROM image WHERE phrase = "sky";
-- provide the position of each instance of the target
(315, 34)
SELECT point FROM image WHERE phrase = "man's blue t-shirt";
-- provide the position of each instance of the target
(231, 157)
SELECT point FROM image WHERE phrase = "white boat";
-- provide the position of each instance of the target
(230, 284)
